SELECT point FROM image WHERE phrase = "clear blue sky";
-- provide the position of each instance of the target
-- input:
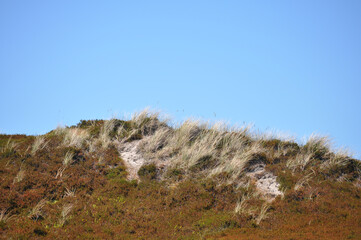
(288, 65)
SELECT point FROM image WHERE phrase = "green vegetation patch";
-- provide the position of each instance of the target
(116, 173)
(147, 172)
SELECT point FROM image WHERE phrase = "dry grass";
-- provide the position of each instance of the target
(242, 206)
(106, 129)
(69, 192)
(93, 145)
(147, 122)
(60, 130)
(39, 143)
(357, 183)
(316, 148)
(300, 161)
(200, 146)
(338, 159)
(213, 150)
(156, 142)
(235, 165)
(9, 147)
(5, 216)
(37, 211)
(68, 158)
(263, 213)
(75, 137)
(317, 143)
(319, 148)
(64, 215)
(60, 171)
(19, 176)
(303, 181)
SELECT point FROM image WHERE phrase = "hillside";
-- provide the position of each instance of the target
(146, 179)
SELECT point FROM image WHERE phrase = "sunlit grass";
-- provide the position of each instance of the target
(39, 143)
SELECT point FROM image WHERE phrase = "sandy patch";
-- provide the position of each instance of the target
(132, 157)
(266, 182)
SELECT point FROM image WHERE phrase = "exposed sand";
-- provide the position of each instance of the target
(266, 182)
(133, 159)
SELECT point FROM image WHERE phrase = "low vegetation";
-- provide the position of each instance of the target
(196, 181)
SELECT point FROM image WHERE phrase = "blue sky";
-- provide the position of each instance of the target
(294, 66)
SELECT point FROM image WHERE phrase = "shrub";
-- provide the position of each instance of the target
(286, 180)
(147, 171)
(89, 123)
(40, 231)
(118, 172)
(174, 173)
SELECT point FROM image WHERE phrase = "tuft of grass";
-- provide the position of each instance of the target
(263, 213)
(316, 149)
(36, 212)
(68, 158)
(242, 205)
(64, 215)
(69, 192)
(158, 140)
(105, 135)
(39, 144)
(75, 137)
(319, 146)
(19, 176)
(147, 172)
(9, 149)
(147, 121)
(300, 161)
(235, 166)
(5, 216)
(303, 181)
(60, 130)
(60, 171)
(337, 160)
